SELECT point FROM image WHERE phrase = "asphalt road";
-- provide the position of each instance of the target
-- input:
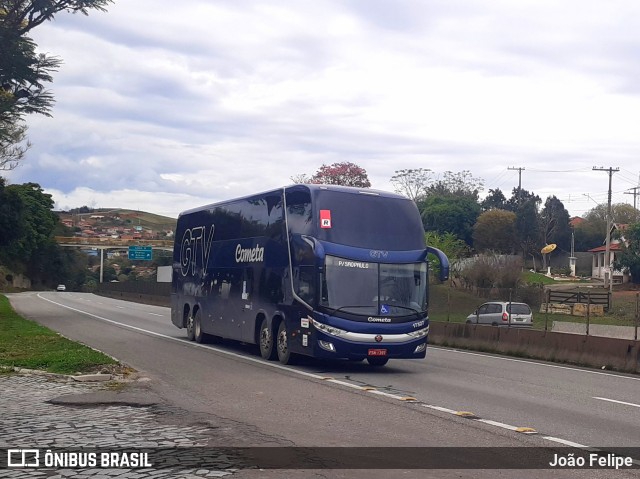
(350, 404)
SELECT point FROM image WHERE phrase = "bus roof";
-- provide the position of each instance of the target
(312, 188)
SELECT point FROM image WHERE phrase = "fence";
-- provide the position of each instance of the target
(575, 297)
(579, 310)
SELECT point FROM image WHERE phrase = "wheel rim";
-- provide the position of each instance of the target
(282, 342)
(265, 339)
(190, 325)
(197, 328)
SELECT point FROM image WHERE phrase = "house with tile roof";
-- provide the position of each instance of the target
(599, 265)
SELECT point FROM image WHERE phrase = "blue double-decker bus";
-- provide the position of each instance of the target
(317, 270)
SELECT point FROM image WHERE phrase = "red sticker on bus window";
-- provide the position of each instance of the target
(325, 218)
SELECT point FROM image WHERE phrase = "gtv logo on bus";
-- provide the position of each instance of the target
(195, 245)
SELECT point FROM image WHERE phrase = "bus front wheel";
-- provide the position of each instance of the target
(282, 344)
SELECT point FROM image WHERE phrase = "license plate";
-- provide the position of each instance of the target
(377, 352)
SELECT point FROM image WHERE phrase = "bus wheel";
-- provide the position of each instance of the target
(284, 353)
(198, 334)
(377, 361)
(267, 349)
(190, 328)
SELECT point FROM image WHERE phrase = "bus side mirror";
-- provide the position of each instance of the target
(444, 262)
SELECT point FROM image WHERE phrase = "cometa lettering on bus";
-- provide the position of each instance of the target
(249, 255)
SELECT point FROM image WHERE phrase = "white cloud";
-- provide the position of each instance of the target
(184, 105)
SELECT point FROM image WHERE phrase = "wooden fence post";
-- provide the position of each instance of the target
(635, 335)
(588, 310)
(546, 309)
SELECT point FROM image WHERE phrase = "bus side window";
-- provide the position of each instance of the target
(304, 282)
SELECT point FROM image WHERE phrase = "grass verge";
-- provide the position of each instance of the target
(26, 344)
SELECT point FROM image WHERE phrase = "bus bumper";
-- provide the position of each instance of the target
(326, 346)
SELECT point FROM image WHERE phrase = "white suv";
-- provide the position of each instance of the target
(61, 287)
(498, 313)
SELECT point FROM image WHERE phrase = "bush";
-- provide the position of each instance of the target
(486, 272)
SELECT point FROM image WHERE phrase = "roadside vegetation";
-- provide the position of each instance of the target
(26, 344)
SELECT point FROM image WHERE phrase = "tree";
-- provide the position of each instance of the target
(13, 144)
(345, 174)
(450, 214)
(34, 229)
(592, 231)
(413, 183)
(23, 72)
(629, 256)
(554, 223)
(300, 178)
(495, 231)
(621, 213)
(520, 196)
(10, 220)
(588, 235)
(528, 226)
(449, 244)
(456, 184)
(495, 199)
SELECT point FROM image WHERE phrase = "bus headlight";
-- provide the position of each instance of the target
(420, 333)
(325, 328)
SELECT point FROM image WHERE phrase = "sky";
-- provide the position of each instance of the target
(163, 106)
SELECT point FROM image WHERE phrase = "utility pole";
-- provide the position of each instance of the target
(608, 244)
(520, 169)
(635, 194)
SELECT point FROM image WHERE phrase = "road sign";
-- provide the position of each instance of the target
(140, 252)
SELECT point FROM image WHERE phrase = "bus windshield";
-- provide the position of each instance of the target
(374, 289)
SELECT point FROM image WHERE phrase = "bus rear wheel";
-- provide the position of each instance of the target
(266, 341)
(198, 334)
(282, 344)
(190, 328)
(377, 361)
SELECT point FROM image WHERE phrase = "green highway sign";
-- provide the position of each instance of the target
(140, 252)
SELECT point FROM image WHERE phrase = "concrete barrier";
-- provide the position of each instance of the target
(143, 298)
(591, 351)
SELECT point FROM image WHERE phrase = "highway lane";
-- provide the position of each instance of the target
(561, 403)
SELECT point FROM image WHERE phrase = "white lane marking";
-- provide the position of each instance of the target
(156, 314)
(565, 442)
(285, 368)
(617, 402)
(498, 424)
(439, 408)
(535, 363)
(187, 343)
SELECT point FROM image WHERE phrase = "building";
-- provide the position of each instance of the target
(599, 265)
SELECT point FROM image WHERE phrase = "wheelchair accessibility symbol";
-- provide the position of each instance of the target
(384, 309)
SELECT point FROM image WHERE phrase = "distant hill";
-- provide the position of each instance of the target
(119, 217)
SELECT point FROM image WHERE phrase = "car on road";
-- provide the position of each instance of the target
(502, 313)
(61, 287)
